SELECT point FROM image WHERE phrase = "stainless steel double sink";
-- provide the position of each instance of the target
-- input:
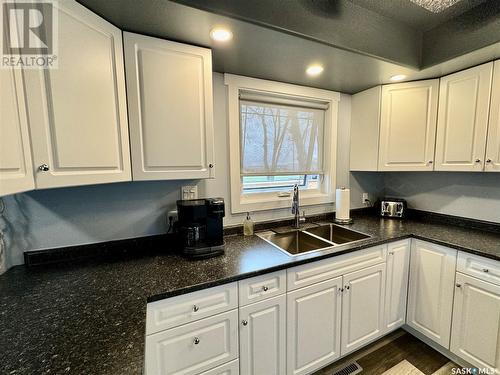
(316, 238)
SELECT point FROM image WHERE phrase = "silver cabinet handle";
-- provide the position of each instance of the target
(244, 322)
(210, 166)
(431, 161)
(43, 168)
(347, 287)
(196, 341)
(478, 160)
(458, 285)
(195, 308)
(391, 252)
(341, 290)
(265, 288)
(489, 161)
(486, 270)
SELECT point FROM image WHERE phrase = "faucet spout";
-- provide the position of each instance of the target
(296, 206)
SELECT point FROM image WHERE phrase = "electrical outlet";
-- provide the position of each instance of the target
(189, 192)
(365, 199)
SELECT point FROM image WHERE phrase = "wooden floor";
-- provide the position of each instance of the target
(389, 351)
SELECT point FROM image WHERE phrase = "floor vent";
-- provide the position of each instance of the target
(350, 369)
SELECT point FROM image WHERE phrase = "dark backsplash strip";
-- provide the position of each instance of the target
(140, 246)
(436, 218)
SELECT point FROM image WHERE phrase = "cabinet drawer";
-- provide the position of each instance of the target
(480, 267)
(261, 287)
(173, 312)
(195, 347)
(231, 368)
(307, 274)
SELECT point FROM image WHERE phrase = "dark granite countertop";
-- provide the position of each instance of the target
(89, 318)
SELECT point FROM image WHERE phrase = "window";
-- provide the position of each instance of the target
(280, 135)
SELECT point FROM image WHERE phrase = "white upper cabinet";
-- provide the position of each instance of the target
(78, 114)
(169, 87)
(476, 322)
(430, 295)
(408, 126)
(363, 307)
(16, 171)
(398, 263)
(365, 124)
(493, 144)
(463, 119)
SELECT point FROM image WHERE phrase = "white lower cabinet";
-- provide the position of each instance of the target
(476, 322)
(263, 337)
(396, 286)
(193, 348)
(363, 307)
(430, 299)
(313, 326)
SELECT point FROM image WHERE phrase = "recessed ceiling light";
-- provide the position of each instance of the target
(314, 70)
(221, 34)
(398, 77)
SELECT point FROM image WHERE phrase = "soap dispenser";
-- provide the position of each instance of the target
(248, 225)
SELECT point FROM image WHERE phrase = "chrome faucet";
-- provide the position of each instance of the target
(296, 208)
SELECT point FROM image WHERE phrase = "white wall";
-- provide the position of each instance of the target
(473, 195)
(73, 216)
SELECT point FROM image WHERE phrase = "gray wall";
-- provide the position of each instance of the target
(80, 215)
(474, 195)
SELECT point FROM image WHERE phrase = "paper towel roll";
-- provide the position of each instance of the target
(342, 201)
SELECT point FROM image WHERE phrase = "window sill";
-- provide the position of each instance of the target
(265, 201)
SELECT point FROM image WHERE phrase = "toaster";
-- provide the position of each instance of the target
(393, 207)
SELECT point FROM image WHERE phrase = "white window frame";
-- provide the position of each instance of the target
(270, 200)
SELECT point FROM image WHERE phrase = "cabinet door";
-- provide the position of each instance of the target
(463, 119)
(16, 171)
(78, 115)
(396, 286)
(493, 143)
(263, 337)
(313, 326)
(363, 307)
(169, 87)
(476, 322)
(408, 126)
(430, 299)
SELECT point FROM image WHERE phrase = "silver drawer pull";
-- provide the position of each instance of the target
(265, 288)
(43, 168)
(195, 308)
(391, 252)
(244, 322)
(458, 285)
(347, 287)
(196, 341)
(486, 270)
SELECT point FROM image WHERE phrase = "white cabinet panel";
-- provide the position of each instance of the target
(430, 300)
(476, 322)
(313, 326)
(493, 142)
(261, 287)
(263, 337)
(78, 112)
(175, 311)
(365, 124)
(408, 126)
(194, 347)
(363, 307)
(169, 88)
(463, 119)
(396, 291)
(16, 170)
(231, 368)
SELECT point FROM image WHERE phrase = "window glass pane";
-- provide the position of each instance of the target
(280, 140)
(255, 184)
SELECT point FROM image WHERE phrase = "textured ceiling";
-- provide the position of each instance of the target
(358, 47)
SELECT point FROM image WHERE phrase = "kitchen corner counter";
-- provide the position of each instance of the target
(89, 318)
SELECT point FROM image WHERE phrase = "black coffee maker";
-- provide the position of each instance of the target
(200, 227)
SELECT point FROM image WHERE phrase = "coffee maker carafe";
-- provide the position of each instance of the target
(200, 227)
